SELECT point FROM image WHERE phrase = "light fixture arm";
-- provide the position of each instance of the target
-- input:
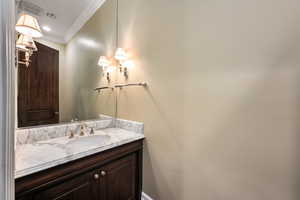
(28, 54)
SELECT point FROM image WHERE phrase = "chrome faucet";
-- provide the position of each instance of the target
(92, 132)
(82, 127)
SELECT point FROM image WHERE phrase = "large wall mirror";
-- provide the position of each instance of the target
(57, 84)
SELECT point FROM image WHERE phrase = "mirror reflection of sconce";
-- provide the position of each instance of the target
(105, 63)
(120, 60)
(125, 65)
(124, 62)
(121, 57)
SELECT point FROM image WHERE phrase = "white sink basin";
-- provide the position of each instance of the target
(89, 141)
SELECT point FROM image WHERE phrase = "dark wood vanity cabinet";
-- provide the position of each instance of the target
(81, 187)
(115, 174)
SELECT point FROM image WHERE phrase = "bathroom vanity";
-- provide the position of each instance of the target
(106, 165)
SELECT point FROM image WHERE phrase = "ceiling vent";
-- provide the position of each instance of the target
(31, 8)
(51, 15)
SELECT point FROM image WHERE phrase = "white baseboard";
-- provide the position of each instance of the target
(146, 197)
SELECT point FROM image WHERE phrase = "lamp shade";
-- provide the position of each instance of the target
(110, 69)
(128, 64)
(103, 61)
(28, 25)
(120, 54)
(26, 42)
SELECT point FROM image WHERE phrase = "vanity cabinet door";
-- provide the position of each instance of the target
(118, 179)
(83, 187)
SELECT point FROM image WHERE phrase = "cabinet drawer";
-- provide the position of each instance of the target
(79, 188)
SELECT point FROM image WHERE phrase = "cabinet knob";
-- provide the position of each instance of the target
(103, 173)
(96, 176)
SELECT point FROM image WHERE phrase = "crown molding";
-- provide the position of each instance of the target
(83, 18)
(58, 40)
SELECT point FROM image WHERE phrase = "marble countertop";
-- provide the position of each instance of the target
(41, 155)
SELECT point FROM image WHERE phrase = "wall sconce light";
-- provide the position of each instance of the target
(26, 44)
(110, 69)
(29, 28)
(125, 65)
(120, 55)
(123, 61)
(28, 25)
(105, 63)
(119, 60)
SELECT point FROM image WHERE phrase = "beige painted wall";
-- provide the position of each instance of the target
(222, 109)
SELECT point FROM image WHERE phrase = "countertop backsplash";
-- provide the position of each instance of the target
(40, 133)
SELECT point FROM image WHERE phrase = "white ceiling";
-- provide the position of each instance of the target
(71, 15)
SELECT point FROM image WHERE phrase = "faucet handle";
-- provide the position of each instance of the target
(92, 132)
(81, 130)
(83, 126)
(71, 134)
